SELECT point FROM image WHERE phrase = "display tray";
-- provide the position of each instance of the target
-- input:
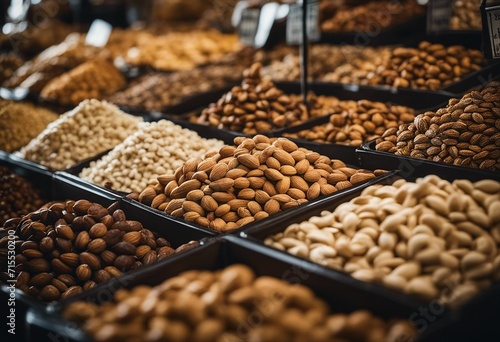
(420, 100)
(316, 204)
(339, 292)
(393, 34)
(176, 232)
(465, 321)
(413, 168)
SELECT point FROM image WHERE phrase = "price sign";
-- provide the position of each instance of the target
(248, 25)
(438, 15)
(493, 27)
(99, 33)
(294, 23)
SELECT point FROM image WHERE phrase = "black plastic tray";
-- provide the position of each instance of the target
(393, 34)
(341, 293)
(420, 100)
(61, 188)
(315, 204)
(465, 319)
(413, 168)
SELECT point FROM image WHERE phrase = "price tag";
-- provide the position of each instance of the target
(493, 23)
(438, 15)
(99, 33)
(294, 23)
(248, 25)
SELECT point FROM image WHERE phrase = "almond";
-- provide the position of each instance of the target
(108, 257)
(193, 207)
(218, 171)
(272, 206)
(237, 203)
(132, 237)
(249, 160)
(218, 225)
(141, 251)
(223, 184)
(256, 182)
(222, 197)
(195, 195)
(244, 221)
(59, 267)
(299, 183)
(174, 205)
(282, 198)
(273, 175)
(83, 272)
(246, 194)
(312, 176)
(343, 185)
(183, 189)
(254, 207)
(90, 259)
(283, 157)
(283, 185)
(97, 230)
(65, 232)
(296, 193)
(81, 206)
(70, 259)
(313, 192)
(302, 166)
(336, 176)
(165, 179)
(360, 177)
(241, 183)
(236, 173)
(209, 203)
(327, 189)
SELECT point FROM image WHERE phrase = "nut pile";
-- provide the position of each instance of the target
(9, 63)
(51, 63)
(431, 238)
(95, 79)
(358, 122)
(156, 148)
(259, 106)
(372, 16)
(331, 63)
(466, 15)
(248, 182)
(181, 50)
(430, 66)
(17, 196)
(67, 247)
(14, 130)
(466, 132)
(216, 306)
(154, 92)
(87, 130)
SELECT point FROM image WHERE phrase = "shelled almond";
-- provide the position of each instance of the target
(432, 238)
(216, 306)
(466, 132)
(357, 122)
(248, 182)
(67, 247)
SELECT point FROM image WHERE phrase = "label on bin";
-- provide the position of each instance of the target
(438, 15)
(248, 25)
(493, 20)
(99, 33)
(294, 23)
